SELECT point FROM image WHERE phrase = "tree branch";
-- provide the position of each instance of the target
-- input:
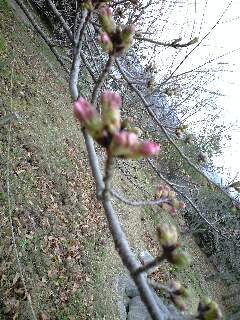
(174, 44)
(138, 202)
(61, 19)
(42, 34)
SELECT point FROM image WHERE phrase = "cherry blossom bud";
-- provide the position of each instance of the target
(159, 190)
(83, 110)
(88, 116)
(105, 42)
(165, 193)
(171, 194)
(124, 144)
(166, 207)
(111, 100)
(179, 303)
(125, 39)
(127, 34)
(182, 205)
(149, 148)
(178, 293)
(167, 235)
(178, 289)
(179, 258)
(110, 103)
(160, 187)
(209, 310)
(106, 20)
(175, 203)
(173, 211)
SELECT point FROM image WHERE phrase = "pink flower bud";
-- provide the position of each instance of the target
(182, 205)
(124, 144)
(111, 99)
(104, 37)
(149, 148)
(83, 110)
(167, 235)
(173, 211)
(126, 37)
(165, 193)
(110, 103)
(128, 32)
(160, 187)
(106, 19)
(88, 115)
(126, 139)
(106, 42)
(166, 206)
(105, 10)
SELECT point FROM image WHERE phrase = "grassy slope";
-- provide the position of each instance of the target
(69, 262)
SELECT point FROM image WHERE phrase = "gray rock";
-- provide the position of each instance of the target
(131, 306)
(137, 310)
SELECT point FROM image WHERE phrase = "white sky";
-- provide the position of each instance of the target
(179, 22)
(226, 35)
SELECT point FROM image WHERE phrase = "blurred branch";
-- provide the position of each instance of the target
(174, 44)
(42, 34)
(138, 202)
(61, 19)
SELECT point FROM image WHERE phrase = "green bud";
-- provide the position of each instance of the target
(175, 203)
(179, 303)
(180, 258)
(171, 194)
(167, 235)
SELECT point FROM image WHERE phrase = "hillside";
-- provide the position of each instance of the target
(54, 234)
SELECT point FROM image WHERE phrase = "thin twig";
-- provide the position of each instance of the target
(158, 285)
(139, 202)
(151, 264)
(74, 74)
(102, 78)
(173, 44)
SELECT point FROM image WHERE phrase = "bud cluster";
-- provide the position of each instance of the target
(172, 250)
(209, 310)
(172, 203)
(107, 129)
(113, 39)
(178, 294)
